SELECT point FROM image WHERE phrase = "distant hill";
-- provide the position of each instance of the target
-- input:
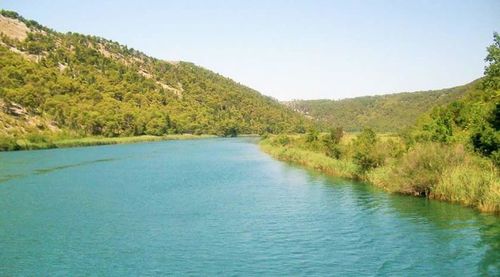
(52, 82)
(382, 113)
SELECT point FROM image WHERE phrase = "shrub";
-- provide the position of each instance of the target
(335, 135)
(37, 138)
(495, 157)
(283, 140)
(333, 151)
(312, 135)
(155, 127)
(8, 144)
(331, 143)
(366, 155)
(420, 170)
(312, 159)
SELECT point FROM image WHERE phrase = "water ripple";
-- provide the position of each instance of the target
(217, 207)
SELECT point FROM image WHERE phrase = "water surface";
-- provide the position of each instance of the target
(221, 207)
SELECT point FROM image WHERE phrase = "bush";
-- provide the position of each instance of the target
(331, 142)
(155, 127)
(333, 151)
(335, 135)
(8, 144)
(311, 159)
(495, 157)
(312, 135)
(282, 140)
(37, 138)
(366, 154)
(486, 137)
(231, 131)
(420, 170)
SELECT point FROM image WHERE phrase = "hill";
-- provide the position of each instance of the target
(78, 85)
(382, 113)
(451, 153)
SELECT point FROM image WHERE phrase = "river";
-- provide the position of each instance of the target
(221, 207)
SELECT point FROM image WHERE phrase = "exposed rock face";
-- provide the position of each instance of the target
(15, 109)
(13, 28)
(16, 119)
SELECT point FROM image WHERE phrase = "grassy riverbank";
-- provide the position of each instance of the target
(32, 143)
(442, 172)
(310, 159)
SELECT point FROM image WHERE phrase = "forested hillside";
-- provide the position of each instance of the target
(383, 113)
(452, 152)
(83, 85)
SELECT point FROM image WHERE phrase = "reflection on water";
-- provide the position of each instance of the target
(452, 224)
(51, 169)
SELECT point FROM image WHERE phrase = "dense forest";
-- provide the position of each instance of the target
(451, 153)
(382, 113)
(54, 84)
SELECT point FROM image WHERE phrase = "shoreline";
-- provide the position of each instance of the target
(339, 168)
(25, 145)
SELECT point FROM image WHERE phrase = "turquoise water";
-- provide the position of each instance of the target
(221, 207)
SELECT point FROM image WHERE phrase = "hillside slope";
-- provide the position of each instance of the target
(85, 85)
(382, 113)
(452, 153)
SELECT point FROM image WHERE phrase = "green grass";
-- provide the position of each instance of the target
(471, 186)
(45, 143)
(442, 172)
(311, 159)
(119, 140)
(437, 171)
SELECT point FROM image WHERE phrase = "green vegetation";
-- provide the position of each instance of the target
(62, 90)
(89, 86)
(32, 142)
(295, 149)
(450, 154)
(474, 120)
(384, 113)
(434, 170)
(444, 172)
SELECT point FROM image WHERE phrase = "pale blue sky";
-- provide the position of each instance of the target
(296, 49)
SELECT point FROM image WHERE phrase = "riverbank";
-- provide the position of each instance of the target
(445, 173)
(312, 160)
(26, 144)
(229, 197)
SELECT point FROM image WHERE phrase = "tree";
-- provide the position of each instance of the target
(312, 135)
(492, 70)
(336, 134)
(331, 142)
(485, 137)
(93, 86)
(155, 127)
(366, 154)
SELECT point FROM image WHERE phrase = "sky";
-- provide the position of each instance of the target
(296, 49)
